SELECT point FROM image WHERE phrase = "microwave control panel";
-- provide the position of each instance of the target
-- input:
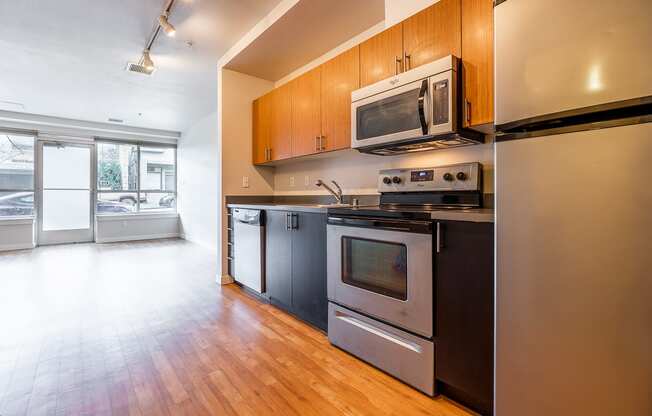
(459, 177)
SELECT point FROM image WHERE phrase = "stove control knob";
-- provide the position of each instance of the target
(387, 180)
(448, 177)
(396, 180)
(461, 176)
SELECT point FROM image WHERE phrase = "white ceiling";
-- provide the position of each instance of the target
(307, 31)
(66, 58)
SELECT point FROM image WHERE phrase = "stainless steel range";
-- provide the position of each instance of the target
(380, 268)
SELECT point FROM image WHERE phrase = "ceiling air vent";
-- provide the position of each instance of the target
(139, 69)
(115, 120)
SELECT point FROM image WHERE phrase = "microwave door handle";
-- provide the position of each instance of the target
(422, 106)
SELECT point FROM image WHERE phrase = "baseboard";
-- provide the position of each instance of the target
(225, 279)
(12, 247)
(136, 238)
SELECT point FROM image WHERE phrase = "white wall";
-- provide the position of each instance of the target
(16, 234)
(132, 227)
(198, 179)
(398, 10)
(236, 92)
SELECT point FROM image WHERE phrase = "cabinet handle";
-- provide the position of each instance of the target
(270, 154)
(317, 146)
(439, 238)
(322, 141)
(294, 223)
(397, 65)
(467, 111)
(408, 63)
(287, 222)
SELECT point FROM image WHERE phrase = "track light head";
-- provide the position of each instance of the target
(147, 61)
(165, 25)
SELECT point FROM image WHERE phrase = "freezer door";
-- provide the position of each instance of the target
(573, 270)
(558, 55)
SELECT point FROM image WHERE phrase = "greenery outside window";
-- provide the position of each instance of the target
(135, 178)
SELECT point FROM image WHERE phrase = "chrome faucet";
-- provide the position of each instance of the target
(337, 195)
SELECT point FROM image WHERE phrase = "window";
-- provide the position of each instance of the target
(135, 178)
(16, 175)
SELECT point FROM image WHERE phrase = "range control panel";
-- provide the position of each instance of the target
(460, 177)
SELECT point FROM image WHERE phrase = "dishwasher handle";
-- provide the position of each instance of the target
(248, 216)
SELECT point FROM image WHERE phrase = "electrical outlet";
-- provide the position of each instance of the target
(245, 181)
(306, 180)
(292, 181)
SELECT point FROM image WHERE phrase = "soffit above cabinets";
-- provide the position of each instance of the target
(308, 30)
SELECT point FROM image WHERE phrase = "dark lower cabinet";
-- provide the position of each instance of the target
(309, 299)
(464, 270)
(296, 264)
(278, 259)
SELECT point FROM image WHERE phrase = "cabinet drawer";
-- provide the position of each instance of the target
(405, 356)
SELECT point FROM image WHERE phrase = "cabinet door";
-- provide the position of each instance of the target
(280, 140)
(278, 259)
(381, 56)
(339, 77)
(309, 300)
(261, 128)
(464, 312)
(433, 33)
(478, 61)
(306, 114)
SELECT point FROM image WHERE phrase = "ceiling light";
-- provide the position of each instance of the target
(165, 25)
(147, 61)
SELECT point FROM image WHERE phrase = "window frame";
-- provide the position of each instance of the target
(138, 190)
(32, 189)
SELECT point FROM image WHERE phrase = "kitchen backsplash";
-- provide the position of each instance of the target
(357, 173)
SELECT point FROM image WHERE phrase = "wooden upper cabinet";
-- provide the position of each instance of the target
(261, 128)
(306, 112)
(433, 33)
(478, 61)
(381, 56)
(280, 139)
(339, 77)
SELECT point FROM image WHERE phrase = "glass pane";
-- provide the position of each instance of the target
(66, 167)
(392, 115)
(66, 210)
(377, 266)
(157, 168)
(116, 203)
(117, 167)
(16, 162)
(16, 203)
(150, 201)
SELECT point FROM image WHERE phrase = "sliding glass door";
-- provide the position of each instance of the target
(65, 192)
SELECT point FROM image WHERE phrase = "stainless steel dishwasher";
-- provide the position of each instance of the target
(249, 248)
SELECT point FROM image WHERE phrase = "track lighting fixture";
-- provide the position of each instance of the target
(147, 61)
(165, 25)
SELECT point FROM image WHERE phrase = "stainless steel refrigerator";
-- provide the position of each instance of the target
(573, 190)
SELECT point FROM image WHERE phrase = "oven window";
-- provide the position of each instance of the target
(391, 115)
(377, 266)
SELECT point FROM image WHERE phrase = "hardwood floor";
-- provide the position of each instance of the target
(143, 329)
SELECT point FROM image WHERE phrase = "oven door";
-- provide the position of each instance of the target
(383, 268)
(390, 116)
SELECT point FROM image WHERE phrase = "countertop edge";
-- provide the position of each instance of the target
(480, 215)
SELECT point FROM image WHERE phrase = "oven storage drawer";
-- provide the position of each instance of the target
(405, 356)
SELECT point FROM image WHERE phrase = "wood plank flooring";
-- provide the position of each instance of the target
(143, 329)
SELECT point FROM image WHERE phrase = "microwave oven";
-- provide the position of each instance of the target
(413, 111)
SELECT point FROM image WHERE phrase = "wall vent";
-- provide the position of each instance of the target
(139, 69)
(115, 120)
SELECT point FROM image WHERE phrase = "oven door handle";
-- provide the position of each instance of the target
(422, 106)
(421, 227)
